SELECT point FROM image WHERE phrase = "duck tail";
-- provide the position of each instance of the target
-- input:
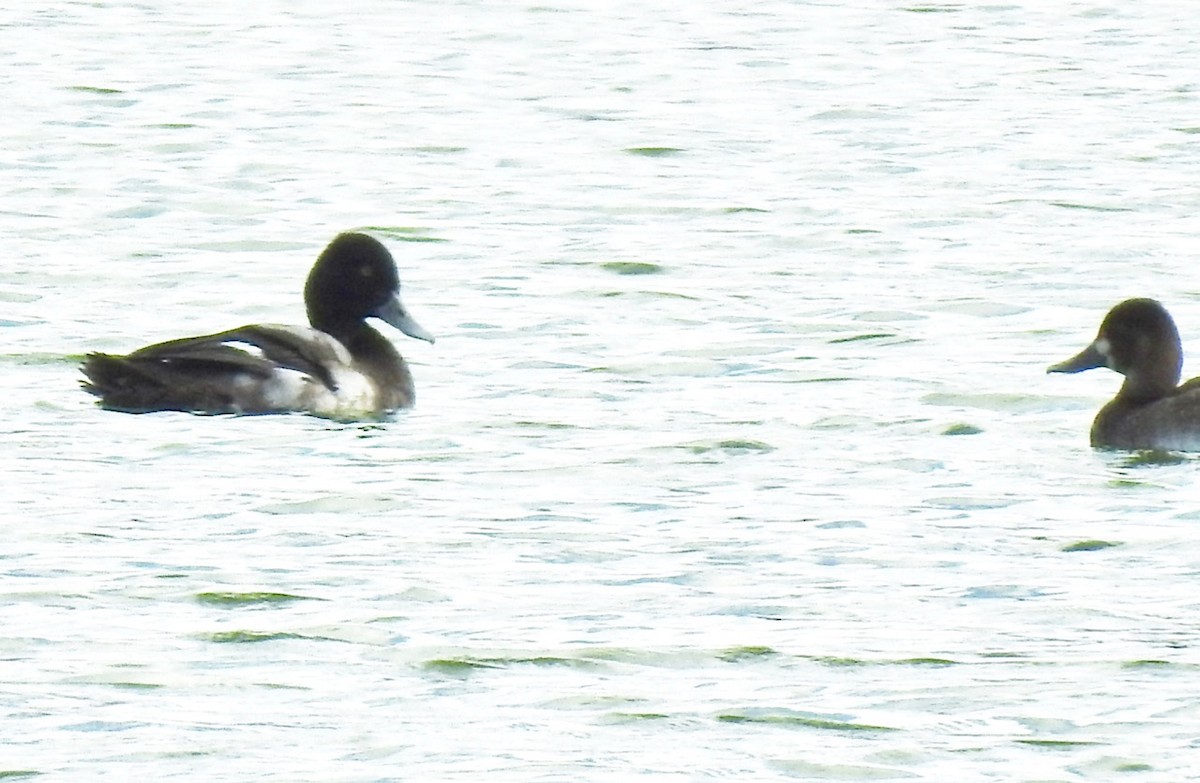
(118, 381)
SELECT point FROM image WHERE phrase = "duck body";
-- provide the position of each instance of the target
(1138, 339)
(1171, 423)
(339, 367)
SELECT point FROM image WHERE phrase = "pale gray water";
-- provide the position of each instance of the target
(800, 504)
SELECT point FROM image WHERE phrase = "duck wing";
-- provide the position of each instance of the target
(259, 350)
(216, 373)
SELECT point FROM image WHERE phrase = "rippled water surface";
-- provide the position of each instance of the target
(735, 457)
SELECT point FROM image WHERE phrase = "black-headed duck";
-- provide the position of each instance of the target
(340, 367)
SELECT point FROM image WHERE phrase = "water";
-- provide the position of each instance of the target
(734, 459)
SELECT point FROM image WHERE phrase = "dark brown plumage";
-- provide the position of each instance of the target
(1138, 339)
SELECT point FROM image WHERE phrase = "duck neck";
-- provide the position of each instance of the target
(1157, 380)
(355, 334)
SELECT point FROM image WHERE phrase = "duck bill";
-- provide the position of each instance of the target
(1087, 359)
(393, 312)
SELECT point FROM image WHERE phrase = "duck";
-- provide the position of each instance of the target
(337, 367)
(1152, 410)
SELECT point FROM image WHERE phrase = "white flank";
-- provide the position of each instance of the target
(290, 389)
(244, 347)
